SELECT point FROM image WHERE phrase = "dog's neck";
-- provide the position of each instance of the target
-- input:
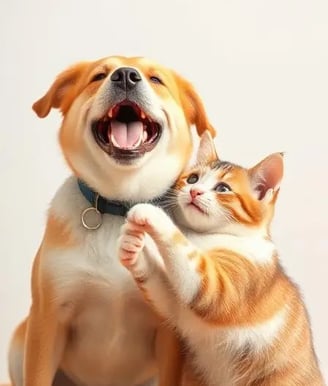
(114, 207)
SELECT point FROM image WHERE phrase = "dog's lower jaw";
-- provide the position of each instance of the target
(137, 184)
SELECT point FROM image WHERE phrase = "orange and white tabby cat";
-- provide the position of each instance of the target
(216, 276)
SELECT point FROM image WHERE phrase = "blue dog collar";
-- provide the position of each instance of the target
(103, 205)
(116, 208)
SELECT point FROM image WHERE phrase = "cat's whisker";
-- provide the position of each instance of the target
(169, 206)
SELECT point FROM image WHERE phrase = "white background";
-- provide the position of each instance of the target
(261, 68)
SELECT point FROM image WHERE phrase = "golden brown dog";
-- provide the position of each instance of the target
(126, 137)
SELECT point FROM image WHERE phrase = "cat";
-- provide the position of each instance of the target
(216, 276)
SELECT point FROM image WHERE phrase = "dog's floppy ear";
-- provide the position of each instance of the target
(61, 94)
(194, 108)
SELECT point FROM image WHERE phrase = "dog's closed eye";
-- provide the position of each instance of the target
(98, 77)
(156, 79)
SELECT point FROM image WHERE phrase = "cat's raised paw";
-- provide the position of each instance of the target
(129, 247)
(148, 216)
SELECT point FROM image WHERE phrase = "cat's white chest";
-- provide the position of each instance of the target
(253, 247)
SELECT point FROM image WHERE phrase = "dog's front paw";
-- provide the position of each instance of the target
(130, 244)
(151, 218)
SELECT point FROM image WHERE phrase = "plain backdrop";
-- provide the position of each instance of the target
(261, 68)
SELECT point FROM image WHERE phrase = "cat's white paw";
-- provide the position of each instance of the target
(150, 217)
(130, 244)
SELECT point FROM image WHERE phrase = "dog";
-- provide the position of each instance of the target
(126, 136)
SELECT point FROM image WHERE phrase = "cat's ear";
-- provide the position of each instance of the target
(266, 176)
(206, 150)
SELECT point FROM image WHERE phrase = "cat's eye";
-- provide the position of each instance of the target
(222, 187)
(193, 178)
(99, 76)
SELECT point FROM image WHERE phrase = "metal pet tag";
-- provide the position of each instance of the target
(91, 217)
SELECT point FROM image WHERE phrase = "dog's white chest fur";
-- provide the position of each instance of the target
(112, 328)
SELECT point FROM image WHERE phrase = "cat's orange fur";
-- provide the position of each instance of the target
(242, 318)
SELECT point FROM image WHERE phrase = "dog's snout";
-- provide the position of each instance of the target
(125, 78)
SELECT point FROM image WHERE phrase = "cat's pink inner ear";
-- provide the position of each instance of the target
(206, 151)
(266, 176)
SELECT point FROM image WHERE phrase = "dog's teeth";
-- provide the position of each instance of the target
(138, 143)
(142, 115)
(114, 141)
(110, 113)
(144, 136)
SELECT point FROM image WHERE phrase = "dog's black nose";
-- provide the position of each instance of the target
(125, 78)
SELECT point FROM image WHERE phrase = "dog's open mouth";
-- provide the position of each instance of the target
(126, 132)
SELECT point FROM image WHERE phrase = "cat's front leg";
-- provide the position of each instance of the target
(138, 253)
(181, 257)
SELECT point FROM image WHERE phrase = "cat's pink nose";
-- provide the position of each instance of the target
(195, 192)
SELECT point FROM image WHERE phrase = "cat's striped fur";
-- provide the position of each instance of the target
(218, 280)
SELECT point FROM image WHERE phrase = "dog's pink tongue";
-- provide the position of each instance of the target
(126, 135)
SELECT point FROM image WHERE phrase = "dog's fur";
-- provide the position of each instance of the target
(87, 317)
